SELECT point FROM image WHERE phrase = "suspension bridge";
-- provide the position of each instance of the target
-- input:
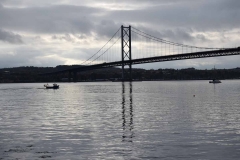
(130, 46)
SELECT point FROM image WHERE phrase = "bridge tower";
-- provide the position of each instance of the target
(126, 52)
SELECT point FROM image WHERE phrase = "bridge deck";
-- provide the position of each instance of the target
(214, 53)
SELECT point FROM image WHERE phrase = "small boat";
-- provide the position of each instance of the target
(215, 81)
(54, 86)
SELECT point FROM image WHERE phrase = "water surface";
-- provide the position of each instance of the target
(106, 120)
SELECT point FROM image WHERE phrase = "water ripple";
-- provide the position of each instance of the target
(140, 120)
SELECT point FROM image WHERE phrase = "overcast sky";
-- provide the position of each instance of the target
(57, 32)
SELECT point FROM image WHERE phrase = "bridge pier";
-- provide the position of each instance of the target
(126, 51)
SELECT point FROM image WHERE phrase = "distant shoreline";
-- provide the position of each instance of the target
(120, 81)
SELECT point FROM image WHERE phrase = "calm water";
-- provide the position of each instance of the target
(139, 120)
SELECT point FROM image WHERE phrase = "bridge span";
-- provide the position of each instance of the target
(163, 51)
(207, 54)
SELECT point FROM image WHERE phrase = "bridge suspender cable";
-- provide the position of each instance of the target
(101, 48)
(167, 42)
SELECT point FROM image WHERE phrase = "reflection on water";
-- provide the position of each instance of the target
(137, 120)
(127, 124)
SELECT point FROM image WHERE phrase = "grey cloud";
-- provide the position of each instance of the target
(106, 28)
(179, 35)
(201, 37)
(26, 56)
(73, 38)
(2, 1)
(66, 37)
(125, 3)
(53, 19)
(202, 16)
(230, 4)
(10, 37)
(175, 20)
(82, 36)
(78, 53)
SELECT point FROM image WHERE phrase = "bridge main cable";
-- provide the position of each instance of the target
(102, 49)
(146, 35)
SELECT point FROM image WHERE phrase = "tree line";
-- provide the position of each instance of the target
(28, 74)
